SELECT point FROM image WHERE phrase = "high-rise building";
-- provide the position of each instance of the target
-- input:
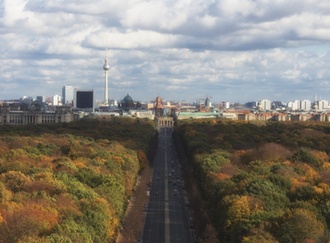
(56, 100)
(67, 95)
(295, 105)
(84, 99)
(323, 105)
(225, 105)
(265, 105)
(305, 105)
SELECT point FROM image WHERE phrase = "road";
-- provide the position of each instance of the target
(168, 218)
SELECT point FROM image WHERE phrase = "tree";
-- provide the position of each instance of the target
(29, 220)
(15, 180)
(305, 156)
(243, 214)
(300, 225)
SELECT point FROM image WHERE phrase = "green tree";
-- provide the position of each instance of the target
(305, 156)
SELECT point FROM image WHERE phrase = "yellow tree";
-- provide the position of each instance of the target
(243, 214)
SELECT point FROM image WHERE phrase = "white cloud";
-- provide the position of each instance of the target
(14, 11)
(237, 8)
(229, 49)
(154, 15)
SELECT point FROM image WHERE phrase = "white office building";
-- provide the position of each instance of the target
(68, 95)
(225, 104)
(264, 105)
(323, 105)
(56, 100)
(305, 105)
(294, 105)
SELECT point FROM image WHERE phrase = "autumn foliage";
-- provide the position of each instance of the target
(262, 182)
(69, 182)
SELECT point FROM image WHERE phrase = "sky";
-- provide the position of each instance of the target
(180, 50)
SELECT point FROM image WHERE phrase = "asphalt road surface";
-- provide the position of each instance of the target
(168, 218)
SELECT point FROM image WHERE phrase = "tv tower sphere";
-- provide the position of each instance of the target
(106, 66)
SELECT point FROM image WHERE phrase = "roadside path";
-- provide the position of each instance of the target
(134, 220)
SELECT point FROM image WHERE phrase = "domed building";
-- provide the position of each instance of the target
(37, 106)
(128, 103)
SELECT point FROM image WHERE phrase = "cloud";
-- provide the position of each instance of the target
(230, 49)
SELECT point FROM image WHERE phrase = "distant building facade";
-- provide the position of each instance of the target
(129, 104)
(41, 99)
(56, 100)
(84, 100)
(35, 114)
(159, 107)
(67, 95)
(323, 105)
(294, 105)
(305, 105)
(264, 105)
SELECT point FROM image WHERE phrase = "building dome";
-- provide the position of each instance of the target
(37, 106)
(128, 98)
(127, 103)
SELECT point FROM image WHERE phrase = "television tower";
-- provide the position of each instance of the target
(106, 68)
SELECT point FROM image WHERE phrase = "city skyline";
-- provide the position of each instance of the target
(69, 94)
(229, 50)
